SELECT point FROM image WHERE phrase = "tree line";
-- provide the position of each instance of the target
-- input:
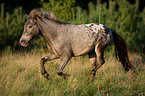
(124, 16)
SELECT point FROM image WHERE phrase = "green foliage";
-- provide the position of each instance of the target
(11, 27)
(61, 8)
(140, 33)
(121, 16)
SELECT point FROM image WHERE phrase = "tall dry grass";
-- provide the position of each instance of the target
(20, 76)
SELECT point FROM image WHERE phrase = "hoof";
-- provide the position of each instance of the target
(91, 78)
(46, 75)
(65, 76)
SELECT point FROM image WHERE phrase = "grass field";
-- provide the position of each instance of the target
(20, 76)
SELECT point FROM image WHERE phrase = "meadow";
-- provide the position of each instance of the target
(20, 76)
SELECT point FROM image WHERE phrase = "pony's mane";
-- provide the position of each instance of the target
(51, 16)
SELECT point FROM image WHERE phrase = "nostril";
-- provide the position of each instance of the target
(21, 41)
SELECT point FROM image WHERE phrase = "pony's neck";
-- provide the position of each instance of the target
(48, 29)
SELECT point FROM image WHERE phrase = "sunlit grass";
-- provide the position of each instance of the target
(20, 75)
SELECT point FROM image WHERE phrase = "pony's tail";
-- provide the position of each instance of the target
(121, 51)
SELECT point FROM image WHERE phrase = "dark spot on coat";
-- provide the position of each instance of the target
(106, 29)
(91, 25)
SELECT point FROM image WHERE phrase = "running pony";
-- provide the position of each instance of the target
(65, 40)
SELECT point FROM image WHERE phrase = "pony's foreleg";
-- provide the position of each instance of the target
(49, 57)
(63, 63)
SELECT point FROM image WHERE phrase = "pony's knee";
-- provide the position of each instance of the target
(100, 57)
(42, 60)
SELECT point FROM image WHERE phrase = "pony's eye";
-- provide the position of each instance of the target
(30, 26)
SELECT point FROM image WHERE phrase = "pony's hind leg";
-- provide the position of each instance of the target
(97, 62)
(49, 57)
(93, 60)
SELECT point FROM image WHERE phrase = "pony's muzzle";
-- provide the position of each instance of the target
(23, 42)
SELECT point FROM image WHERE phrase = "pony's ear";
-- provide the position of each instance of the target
(27, 16)
(35, 13)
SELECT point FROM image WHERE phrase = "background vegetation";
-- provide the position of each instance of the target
(19, 66)
(126, 18)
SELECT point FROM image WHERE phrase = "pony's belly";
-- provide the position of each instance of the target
(82, 46)
(81, 50)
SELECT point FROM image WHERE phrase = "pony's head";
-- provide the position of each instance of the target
(31, 29)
